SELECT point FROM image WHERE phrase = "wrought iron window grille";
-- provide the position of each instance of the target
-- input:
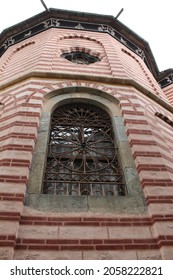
(82, 155)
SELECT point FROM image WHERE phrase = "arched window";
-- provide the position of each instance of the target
(82, 155)
(164, 118)
(78, 57)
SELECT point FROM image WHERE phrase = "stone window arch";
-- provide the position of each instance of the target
(131, 203)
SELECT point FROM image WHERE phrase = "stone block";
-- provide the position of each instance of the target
(38, 232)
(120, 129)
(47, 255)
(149, 255)
(6, 253)
(110, 255)
(58, 203)
(79, 232)
(132, 232)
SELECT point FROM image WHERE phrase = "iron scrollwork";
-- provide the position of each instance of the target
(82, 156)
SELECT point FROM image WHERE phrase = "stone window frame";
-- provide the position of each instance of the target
(133, 203)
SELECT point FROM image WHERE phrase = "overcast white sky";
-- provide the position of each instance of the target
(151, 19)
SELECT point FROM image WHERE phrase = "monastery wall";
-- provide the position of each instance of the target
(32, 73)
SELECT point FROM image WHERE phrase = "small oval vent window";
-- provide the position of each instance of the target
(80, 57)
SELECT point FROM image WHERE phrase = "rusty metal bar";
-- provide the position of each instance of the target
(82, 152)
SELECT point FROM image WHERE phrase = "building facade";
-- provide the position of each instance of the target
(86, 159)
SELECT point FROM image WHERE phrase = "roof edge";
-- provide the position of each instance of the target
(126, 35)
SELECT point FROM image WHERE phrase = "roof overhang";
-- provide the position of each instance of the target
(55, 18)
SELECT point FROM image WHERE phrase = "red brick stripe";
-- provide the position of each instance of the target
(75, 221)
(93, 244)
(9, 216)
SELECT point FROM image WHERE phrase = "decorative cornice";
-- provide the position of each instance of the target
(86, 22)
(59, 23)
